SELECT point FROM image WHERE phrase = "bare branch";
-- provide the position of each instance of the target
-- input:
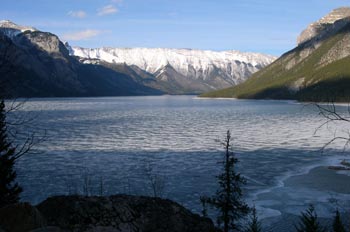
(332, 115)
(19, 123)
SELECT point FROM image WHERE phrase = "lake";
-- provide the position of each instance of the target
(119, 144)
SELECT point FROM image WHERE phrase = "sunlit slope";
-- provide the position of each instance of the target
(316, 70)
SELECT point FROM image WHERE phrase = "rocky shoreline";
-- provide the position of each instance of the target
(343, 166)
(118, 213)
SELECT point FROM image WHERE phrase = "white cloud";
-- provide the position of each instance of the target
(77, 14)
(106, 10)
(81, 35)
(117, 1)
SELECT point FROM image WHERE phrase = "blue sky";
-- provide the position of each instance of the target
(268, 26)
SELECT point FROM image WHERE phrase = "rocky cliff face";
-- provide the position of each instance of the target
(325, 25)
(45, 41)
(119, 213)
(11, 29)
(315, 35)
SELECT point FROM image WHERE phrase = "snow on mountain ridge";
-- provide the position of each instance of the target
(11, 29)
(182, 60)
(175, 71)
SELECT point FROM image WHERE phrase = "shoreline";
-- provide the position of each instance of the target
(325, 188)
(327, 180)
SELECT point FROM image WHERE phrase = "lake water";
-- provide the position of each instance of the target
(122, 141)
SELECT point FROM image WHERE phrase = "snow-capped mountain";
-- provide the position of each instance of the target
(34, 63)
(207, 70)
(170, 71)
(11, 29)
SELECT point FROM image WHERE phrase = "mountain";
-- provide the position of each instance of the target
(37, 64)
(182, 71)
(316, 70)
(11, 29)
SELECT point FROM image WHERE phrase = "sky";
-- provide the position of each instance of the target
(268, 26)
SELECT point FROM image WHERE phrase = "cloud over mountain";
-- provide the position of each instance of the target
(107, 10)
(81, 35)
(77, 14)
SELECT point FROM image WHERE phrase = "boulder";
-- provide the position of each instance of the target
(121, 213)
(20, 217)
(49, 229)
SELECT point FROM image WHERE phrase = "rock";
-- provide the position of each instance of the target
(49, 229)
(325, 24)
(20, 217)
(121, 213)
(345, 163)
(339, 168)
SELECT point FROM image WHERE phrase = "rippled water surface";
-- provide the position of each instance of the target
(121, 142)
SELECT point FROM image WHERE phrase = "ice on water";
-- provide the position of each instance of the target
(115, 139)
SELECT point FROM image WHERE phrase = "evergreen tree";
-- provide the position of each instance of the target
(204, 201)
(254, 224)
(228, 198)
(9, 189)
(337, 223)
(309, 221)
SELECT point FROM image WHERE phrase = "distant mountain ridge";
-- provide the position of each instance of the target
(11, 29)
(316, 70)
(188, 71)
(39, 64)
